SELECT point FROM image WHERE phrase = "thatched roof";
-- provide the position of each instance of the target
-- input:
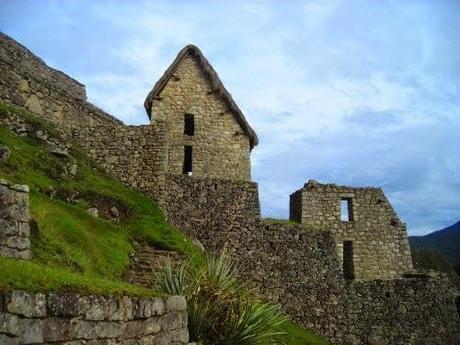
(216, 83)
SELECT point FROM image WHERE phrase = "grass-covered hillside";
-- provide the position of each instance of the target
(72, 249)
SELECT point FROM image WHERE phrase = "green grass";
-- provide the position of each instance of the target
(301, 336)
(32, 276)
(68, 237)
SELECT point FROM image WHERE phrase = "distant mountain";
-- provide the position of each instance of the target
(446, 242)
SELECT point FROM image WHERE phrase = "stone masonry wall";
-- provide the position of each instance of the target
(297, 267)
(69, 318)
(380, 243)
(14, 221)
(220, 147)
(137, 155)
(211, 210)
(20, 58)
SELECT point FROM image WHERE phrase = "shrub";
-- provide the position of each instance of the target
(221, 310)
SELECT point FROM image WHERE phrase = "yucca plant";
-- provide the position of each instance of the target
(221, 310)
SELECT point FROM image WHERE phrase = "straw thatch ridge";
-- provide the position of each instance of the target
(216, 83)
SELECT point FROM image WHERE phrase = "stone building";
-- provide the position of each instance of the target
(370, 238)
(209, 135)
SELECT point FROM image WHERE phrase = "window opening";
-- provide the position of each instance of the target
(346, 210)
(348, 265)
(189, 124)
(187, 167)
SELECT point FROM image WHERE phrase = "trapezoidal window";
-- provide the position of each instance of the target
(346, 210)
(189, 124)
(348, 265)
(187, 167)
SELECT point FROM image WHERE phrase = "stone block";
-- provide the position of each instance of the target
(63, 304)
(109, 329)
(176, 303)
(7, 340)
(57, 329)
(31, 331)
(9, 324)
(26, 304)
(83, 329)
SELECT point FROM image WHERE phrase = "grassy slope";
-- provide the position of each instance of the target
(69, 239)
(73, 250)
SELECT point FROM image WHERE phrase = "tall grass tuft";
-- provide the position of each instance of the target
(221, 310)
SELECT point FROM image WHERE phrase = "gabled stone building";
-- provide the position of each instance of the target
(209, 135)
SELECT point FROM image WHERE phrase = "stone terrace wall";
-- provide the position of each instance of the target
(380, 243)
(137, 155)
(36, 318)
(211, 210)
(14, 221)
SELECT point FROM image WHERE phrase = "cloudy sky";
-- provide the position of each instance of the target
(349, 92)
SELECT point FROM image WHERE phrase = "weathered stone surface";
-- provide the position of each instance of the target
(9, 324)
(57, 329)
(93, 212)
(70, 319)
(4, 153)
(14, 221)
(31, 331)
(176, 303)
(8, 340)
(26, 304)
(63, 304)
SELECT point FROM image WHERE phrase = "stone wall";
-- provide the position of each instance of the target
(14, 221)
(69, 318)
(221, 149)
(417, 310)
(27, 64)
(379, 238)
(211, 210)
(298, 269)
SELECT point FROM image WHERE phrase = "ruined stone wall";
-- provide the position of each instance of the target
(14, 221)
(211, 210)
(220, 147)
(137, 155)
(380, 243)
(297, 268)
(37, 318)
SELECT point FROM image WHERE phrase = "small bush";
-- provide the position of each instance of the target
(221, 310)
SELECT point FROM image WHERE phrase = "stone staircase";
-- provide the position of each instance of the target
(147, 262)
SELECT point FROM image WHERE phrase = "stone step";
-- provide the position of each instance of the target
(147, 262)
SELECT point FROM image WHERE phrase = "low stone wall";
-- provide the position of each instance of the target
(14, 221)
(211, 210)
(37, 318)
